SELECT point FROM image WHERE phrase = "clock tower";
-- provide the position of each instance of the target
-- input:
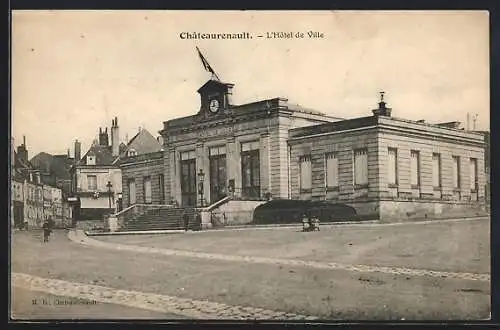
(215, 97)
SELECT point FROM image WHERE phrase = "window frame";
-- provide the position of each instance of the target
(360, 152)
(418, 169)
(328, 156)
(437, 156)
(302, 160)
(396, 168)
(145, 179)
(458, 176)
(88, 182)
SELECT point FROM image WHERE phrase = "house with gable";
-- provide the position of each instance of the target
(97, 176)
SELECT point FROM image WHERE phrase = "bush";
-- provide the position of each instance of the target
(292, 211)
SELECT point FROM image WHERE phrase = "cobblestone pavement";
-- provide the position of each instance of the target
(196, 309)
(80, 237)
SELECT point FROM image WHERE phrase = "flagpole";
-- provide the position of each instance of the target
(206, 65)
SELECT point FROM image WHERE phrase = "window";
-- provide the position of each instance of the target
(305, 173)
(90, 160)
(250, 169)
(161, 184)
(473, 175)
(332, 170)
(436, 170)
(187, 155)
(147, 190)
(392, 164)
(456, 172)
(217, 156)
(415, 168)
(92, 182)
(131, 192)
(132, 152)
(360, 167)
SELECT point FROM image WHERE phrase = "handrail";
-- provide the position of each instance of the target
(214, 205)
(150, 206)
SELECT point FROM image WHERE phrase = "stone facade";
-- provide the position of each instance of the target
(397, 198)
(137, 168)
(264, 125)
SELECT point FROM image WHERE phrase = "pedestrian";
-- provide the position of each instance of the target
(46, 231)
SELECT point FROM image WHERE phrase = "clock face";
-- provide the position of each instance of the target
(214, 105)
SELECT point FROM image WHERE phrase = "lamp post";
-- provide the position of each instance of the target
(109, 185)
(201, 179)
(120, 196)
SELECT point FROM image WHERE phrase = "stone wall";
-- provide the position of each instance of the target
(138, 170)
(235, 212)
(392, 211)
(343, 144)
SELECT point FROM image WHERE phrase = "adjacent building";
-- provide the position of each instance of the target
(388, 167)
(141, 164)
(97, 176)
(54, 170)
(96, 180)
(33, 201)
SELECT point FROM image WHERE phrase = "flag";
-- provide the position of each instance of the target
(205, 63)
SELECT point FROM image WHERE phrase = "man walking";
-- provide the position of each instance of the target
(46, 231)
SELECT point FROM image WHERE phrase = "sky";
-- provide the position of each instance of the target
(74, 71)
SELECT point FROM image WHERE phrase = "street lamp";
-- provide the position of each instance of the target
(201, 178)
(109, 185)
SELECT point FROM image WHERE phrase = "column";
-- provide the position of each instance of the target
(202, 162)
(232, 160)
(175, 180)
(265, 182)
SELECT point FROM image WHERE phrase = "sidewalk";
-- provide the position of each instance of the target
(283, 226)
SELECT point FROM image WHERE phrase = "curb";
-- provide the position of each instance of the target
(285, 226)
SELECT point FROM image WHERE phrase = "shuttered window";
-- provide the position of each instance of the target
(415, 168)
(360, 167)
(392, 164)
(161, 184)
(455, 172)
(131, 192)
(92, 182)
(305, 172)
(436, 170)
(332, 170)
(147, 190)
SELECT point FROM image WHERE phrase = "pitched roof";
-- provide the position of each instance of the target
(143, 143)
(103, 155)
(56, 165)
(21, 167)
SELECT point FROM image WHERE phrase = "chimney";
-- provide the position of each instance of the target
(115, 137)
(78, 150)
(382, 109)
(22, 152)
(103, 137)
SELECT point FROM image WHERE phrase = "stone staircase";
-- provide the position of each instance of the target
(157, 217)
(147, 217)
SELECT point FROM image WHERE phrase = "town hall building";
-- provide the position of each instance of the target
(385, 167)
